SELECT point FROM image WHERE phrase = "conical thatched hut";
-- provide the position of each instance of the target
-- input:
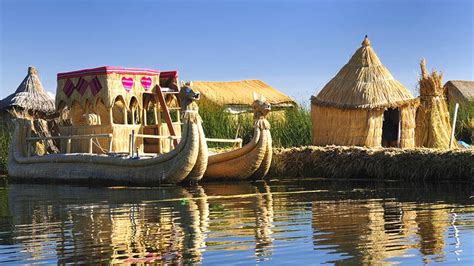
(364, 105)
(29, 100)
(433, 128)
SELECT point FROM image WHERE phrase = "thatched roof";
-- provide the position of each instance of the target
(240, 92)
(30, 95)
(363, 83)
(460, 90)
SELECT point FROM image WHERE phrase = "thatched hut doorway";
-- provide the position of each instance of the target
(391, 128)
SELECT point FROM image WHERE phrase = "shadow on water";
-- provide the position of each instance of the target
(317, 220)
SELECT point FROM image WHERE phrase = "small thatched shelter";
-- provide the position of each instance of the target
(236, 96)
(462, 92)
(29, 100)
(433, 129)
(459, 91)
(363, 105)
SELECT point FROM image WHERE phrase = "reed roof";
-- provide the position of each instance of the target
(463, 88)
(30, 95)
(239, 92)
(363, 83)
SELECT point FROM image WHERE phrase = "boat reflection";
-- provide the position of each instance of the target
(246, 221)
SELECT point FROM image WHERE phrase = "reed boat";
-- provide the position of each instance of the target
(253, 160)
(109, 151)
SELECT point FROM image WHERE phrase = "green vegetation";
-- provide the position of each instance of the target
(294, 130)
(4, 144)
(465, 121)
(289, 128)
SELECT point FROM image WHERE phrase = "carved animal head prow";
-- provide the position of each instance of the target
(260, 106)
(188, 96)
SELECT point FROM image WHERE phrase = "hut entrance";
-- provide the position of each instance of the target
(391, 128)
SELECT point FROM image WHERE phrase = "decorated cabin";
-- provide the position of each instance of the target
(123, 103)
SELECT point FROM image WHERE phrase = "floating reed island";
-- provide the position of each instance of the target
(419, 164)
(134, 126)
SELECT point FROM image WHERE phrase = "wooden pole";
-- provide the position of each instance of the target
(130, 145)
(155, 115)
(28, 135)
(453, 127)
(110, 144)
(90, 145)
(68, 145)
(166, 113)
(111, 116)
(133, 142)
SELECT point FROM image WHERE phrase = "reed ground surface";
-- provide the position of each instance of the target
(386, 163)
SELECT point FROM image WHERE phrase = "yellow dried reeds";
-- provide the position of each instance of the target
(30, 97)
(239, 92)
(432, 117)
(363, 83)
(349, 109)
(419, 164)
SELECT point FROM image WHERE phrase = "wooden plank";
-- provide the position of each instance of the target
(166, 113)
(155, 136)
(70, 137)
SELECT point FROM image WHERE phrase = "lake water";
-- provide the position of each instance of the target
(275, 222)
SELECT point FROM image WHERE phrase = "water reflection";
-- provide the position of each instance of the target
(314, 221)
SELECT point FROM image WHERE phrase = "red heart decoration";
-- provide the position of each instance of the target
(146, 82)
(127, 83)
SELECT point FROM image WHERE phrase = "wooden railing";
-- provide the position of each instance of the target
(132, 148)
(68, 139)
(237, 140)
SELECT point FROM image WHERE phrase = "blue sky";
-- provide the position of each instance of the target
(295, 46)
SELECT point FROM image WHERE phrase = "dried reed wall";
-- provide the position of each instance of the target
(356, 162)
(359, 127)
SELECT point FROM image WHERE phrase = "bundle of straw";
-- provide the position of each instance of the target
(432, 118)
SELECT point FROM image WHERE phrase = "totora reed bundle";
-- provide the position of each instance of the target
(432, 118)
(420, 164)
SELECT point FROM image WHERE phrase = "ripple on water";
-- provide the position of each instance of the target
(317, 221)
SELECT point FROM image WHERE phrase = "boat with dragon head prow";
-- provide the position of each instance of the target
(117, 126)
(253, 160)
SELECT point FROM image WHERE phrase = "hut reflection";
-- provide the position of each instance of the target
(384, 229)
(432, 226)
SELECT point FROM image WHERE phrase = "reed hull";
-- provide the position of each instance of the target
(200, 166)
(172, 167)
(249, 162)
